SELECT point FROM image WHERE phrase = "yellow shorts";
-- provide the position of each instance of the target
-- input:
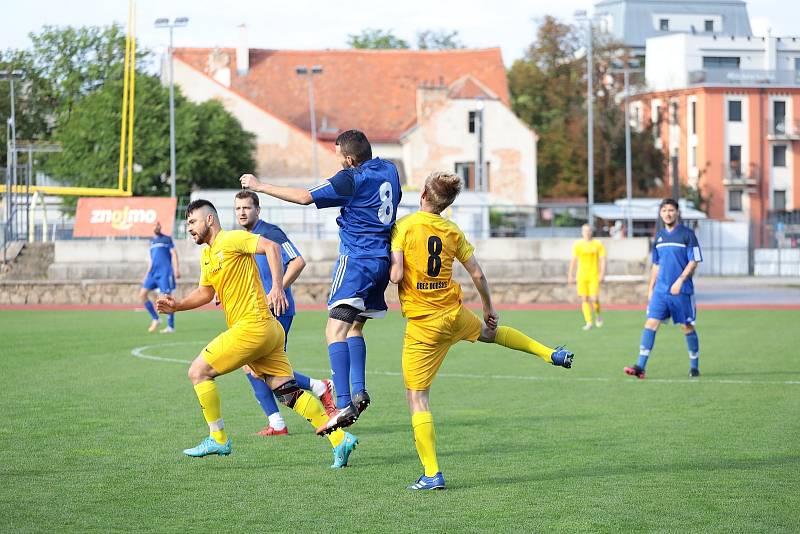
(428, 339)
(588, 286)
(258, 344)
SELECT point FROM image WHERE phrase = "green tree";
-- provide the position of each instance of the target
(211, 146)
(375, 38)
(438, 40)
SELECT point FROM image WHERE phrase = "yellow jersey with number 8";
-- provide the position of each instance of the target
(429, 244)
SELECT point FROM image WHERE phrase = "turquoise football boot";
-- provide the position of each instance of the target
(209, 446)
(341, 453)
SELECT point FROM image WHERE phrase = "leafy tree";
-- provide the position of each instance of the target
(210, 143)
(375, 38)
(438, 40)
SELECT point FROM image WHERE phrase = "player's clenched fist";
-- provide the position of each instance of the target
(166, 304)
(249, 181)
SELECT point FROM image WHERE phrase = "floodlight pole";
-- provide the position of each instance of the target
(581, 16)
(309, 74)
(11, 145)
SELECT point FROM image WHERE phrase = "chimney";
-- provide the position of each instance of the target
(242, 52)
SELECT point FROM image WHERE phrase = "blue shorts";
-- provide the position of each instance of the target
(681, 308)
(286, 323)
(360, 283)
(165, 282)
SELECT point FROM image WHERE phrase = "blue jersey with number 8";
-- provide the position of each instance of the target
(368, 195)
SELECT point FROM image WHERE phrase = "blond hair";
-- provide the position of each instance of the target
(441, 189)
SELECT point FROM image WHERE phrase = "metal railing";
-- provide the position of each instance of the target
(783, 129)
(735, 175)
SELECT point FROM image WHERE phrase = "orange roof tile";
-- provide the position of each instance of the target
(371, 90)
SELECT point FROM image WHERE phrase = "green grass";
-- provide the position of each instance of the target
(92, 436)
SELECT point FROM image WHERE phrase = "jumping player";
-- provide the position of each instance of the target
(368, 191)
(253, 338)
(590, 257)
(162, 270)
(248, 210)
(670, 292)
(424, 246)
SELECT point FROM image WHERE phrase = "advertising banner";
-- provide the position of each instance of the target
(123, 217)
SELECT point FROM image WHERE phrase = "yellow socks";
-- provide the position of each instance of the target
(514, 339)
(309, 408)
(597, 307)
(208, 396)
(425, 440)
(586, 308)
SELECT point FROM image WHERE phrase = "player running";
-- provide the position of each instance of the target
(670, 292)
(162, 270)
(368, 191)
(253, 338)
(590, 257)
(248, 210)
(424, 246)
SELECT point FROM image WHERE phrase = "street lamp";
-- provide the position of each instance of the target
(11, 143)
(581, 16)
(480, 174)
(626, 68)
(309, 74)
(179, 22)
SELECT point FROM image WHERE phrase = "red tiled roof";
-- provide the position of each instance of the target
(371, 90)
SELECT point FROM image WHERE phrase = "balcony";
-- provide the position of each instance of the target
(744, 77)
(734, 176)
(783, 130)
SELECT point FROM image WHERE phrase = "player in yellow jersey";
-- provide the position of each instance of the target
(424, 246)
(253, 338)
(590, 257)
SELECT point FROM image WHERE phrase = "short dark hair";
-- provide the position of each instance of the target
(199, 203)
(244, 193)
(356, 145)
(669, 202)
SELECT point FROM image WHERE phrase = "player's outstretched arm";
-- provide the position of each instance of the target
(201, 296)
(490, 316)
(396, 272)
(276, 299)
(297, 195)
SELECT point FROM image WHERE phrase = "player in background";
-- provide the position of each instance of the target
(670, 292)
(248, 210)
(590, 257)
(253, 338)
(424, 246)
(162, 270)
(367, 190)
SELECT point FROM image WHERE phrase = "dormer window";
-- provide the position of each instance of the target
(663, 25)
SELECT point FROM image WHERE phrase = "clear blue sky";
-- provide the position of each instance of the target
(300, 24)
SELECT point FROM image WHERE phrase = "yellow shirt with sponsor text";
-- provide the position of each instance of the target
(588, 254)
(429, 244)
(230, 268)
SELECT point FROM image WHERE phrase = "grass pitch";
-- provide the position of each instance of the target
(92, 435)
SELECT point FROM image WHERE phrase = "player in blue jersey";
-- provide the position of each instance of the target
(247, 209)
(368, 192)
(162, 270)
(670, 293)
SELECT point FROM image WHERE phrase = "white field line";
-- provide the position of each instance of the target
(139, 352)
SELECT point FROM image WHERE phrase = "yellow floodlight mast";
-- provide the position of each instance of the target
(126, 131)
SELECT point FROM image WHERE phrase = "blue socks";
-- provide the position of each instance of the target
(645, 346)
(358, 363)
(263, 395)
(171, 320)
(151, 309)
(694, 349)
(339, 354)
(303, 381)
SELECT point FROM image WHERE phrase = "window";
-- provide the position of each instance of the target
(694, 117)
(735, 110)
(735, 200)
(663, 25)
(779, 155)
(779, 116)
(714, 62)
(466, 170)
(735, 159)
(673, 112)
(471, 122)
(693, 155)
(709, 25)
(779, 200)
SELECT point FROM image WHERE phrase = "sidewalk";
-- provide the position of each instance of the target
(747, 290)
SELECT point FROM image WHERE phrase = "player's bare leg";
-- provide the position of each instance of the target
(148, 305)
